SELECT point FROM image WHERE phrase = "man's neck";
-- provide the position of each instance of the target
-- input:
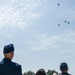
(64, 71)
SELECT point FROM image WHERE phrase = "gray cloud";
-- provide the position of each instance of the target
(62, 43)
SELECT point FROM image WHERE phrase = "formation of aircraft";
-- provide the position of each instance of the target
(65, 20)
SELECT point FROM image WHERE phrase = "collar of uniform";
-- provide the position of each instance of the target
(65, 73)
(7, 59)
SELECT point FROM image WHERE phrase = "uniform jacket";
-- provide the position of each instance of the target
(7, 67)
(64, 73)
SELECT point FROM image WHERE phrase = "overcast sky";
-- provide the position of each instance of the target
(37, 29)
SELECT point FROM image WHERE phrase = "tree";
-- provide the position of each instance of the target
(50, 72)
(28, 73)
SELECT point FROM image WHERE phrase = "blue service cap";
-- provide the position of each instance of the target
(63, 66)
(8, 48)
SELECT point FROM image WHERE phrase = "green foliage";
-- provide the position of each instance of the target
(29, 73)
(50, 72)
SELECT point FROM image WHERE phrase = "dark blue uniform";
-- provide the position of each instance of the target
(64, 73)
(7, 67)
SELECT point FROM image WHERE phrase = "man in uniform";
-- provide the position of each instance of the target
(7, 67)
(64, 69)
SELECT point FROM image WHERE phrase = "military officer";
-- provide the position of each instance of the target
(64, 69)
(7, 67)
